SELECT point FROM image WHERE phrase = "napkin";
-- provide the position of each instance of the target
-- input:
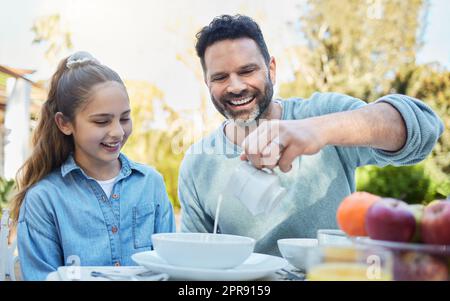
(83, 273)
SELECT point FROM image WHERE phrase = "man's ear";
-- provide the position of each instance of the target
(205, 79)
(63, 124)
(272, 70)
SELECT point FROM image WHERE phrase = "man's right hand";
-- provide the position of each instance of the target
(279, 142)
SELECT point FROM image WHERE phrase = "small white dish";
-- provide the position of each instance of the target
(255, 267)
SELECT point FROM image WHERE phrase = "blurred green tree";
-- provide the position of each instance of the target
(354, 47)
(6, 191)
(52, 30)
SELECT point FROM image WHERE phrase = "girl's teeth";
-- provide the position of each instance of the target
(111, 145)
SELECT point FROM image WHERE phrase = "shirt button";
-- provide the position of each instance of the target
(114, 229)
(115, 196)
(117, 263)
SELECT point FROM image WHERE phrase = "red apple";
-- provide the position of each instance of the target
(390, 219)
(436, 223)
(415, 266)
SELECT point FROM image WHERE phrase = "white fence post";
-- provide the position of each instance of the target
(7, 257)
(17, 119)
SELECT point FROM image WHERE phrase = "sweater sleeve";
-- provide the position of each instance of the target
(193, 216)
(423, 128)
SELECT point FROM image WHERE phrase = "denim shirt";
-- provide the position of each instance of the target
(66, 218)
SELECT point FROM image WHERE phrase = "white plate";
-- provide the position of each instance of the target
(255, 267)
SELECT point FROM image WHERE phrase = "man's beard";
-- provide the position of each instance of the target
(262, 101)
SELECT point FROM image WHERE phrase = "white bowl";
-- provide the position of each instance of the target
(295, 250)
(203, 250)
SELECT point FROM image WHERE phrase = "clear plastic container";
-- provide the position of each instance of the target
(413, 261)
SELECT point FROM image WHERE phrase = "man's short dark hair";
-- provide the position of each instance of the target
(226, 27)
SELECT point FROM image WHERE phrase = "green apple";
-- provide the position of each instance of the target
(434, 202)
(417, 210)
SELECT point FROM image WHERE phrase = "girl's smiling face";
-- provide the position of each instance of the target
(101, 126)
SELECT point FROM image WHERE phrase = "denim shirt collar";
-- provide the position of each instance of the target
(127, 166)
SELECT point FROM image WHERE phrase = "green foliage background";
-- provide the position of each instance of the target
(6, 190)
(160, 145)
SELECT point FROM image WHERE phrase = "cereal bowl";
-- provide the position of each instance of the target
(203, 250)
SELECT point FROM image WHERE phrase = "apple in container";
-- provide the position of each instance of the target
(390, 219)
(435, 227)
(417, 266)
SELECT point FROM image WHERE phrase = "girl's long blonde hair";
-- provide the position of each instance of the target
(70, 87)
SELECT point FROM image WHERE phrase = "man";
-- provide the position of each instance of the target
(325, 138)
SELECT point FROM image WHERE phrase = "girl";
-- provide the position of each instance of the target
(81, 201)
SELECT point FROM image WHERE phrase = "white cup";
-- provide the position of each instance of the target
(333, 237)
(296, 250)
(260, 191)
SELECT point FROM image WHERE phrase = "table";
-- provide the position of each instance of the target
(289, 273)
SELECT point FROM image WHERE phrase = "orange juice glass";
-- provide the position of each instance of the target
(349, 263)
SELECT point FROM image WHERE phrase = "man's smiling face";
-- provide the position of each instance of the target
(239, 81)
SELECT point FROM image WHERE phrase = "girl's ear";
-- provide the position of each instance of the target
(63, 124)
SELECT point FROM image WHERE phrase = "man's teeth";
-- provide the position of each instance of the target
(242, 101)
(111, 144)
